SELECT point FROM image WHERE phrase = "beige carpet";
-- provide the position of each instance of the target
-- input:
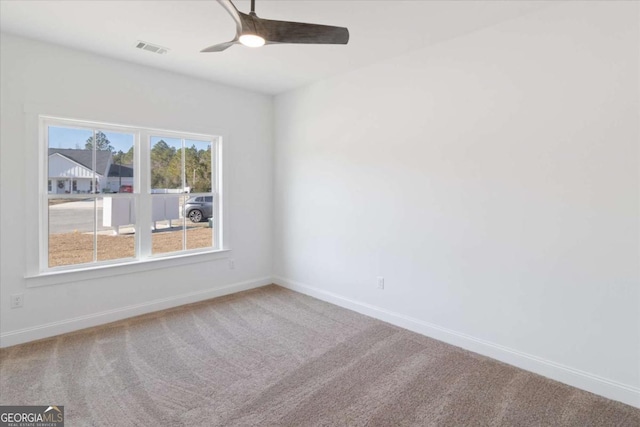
(274, 357)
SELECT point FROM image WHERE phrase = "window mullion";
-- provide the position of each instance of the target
(43, 134)
(95, 200)
(184, 185)
(142, 155)
(216, 170)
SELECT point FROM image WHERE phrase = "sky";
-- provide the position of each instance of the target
(62, 137)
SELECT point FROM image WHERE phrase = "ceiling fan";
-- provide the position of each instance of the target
(253, 31)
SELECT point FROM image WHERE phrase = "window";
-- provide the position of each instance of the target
(181, 166)
(119, 194)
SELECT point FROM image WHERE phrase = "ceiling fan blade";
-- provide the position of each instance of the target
(235, 13)
(275, 32)
(219, 47)
(300, 32)
(241, 20)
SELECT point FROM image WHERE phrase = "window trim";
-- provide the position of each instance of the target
(98, 271)
(39, 274)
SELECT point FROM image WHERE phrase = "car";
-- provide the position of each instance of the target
(199, 208)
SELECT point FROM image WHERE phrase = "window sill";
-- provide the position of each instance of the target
(97, 272)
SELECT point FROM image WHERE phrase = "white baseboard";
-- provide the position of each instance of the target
(583, 380)
(69, 325)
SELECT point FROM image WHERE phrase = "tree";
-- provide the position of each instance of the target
(102, 142)
(163, 173)
(197, 165)
(122, 158)
(167, 172)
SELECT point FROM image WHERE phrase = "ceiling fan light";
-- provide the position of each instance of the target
(251, 40)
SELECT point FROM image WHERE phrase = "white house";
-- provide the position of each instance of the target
(118, 176)
(71, 171)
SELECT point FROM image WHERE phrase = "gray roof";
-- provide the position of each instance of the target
(124, 171)
(85, 157)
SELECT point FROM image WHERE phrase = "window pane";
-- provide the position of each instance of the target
(71, 231)
(121, 167)
(168, 226)
(116, 230)
(70, 160)
(200, 235)
(198, 211)
(197, 165)
(166, 165)
(74, 168)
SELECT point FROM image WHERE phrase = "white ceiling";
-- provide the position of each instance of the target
(378, 30)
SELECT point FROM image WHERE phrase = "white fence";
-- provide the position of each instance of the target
(170, 190)
(119, 211)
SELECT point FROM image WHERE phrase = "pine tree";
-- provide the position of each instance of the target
(102, 142)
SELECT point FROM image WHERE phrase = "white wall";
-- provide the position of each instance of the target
(492, 180)
(37, 76)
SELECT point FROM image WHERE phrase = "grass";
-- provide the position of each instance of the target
(77, 248)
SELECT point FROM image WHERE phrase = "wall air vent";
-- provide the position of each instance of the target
(152, 47)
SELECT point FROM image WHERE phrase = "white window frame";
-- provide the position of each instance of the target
(40, 274)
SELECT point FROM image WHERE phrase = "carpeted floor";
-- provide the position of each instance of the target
(273, 357)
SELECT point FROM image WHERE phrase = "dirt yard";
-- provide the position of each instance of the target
(77, 248)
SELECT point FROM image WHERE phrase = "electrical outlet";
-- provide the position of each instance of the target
(17, 300)
(232, 264)
(380, 282)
